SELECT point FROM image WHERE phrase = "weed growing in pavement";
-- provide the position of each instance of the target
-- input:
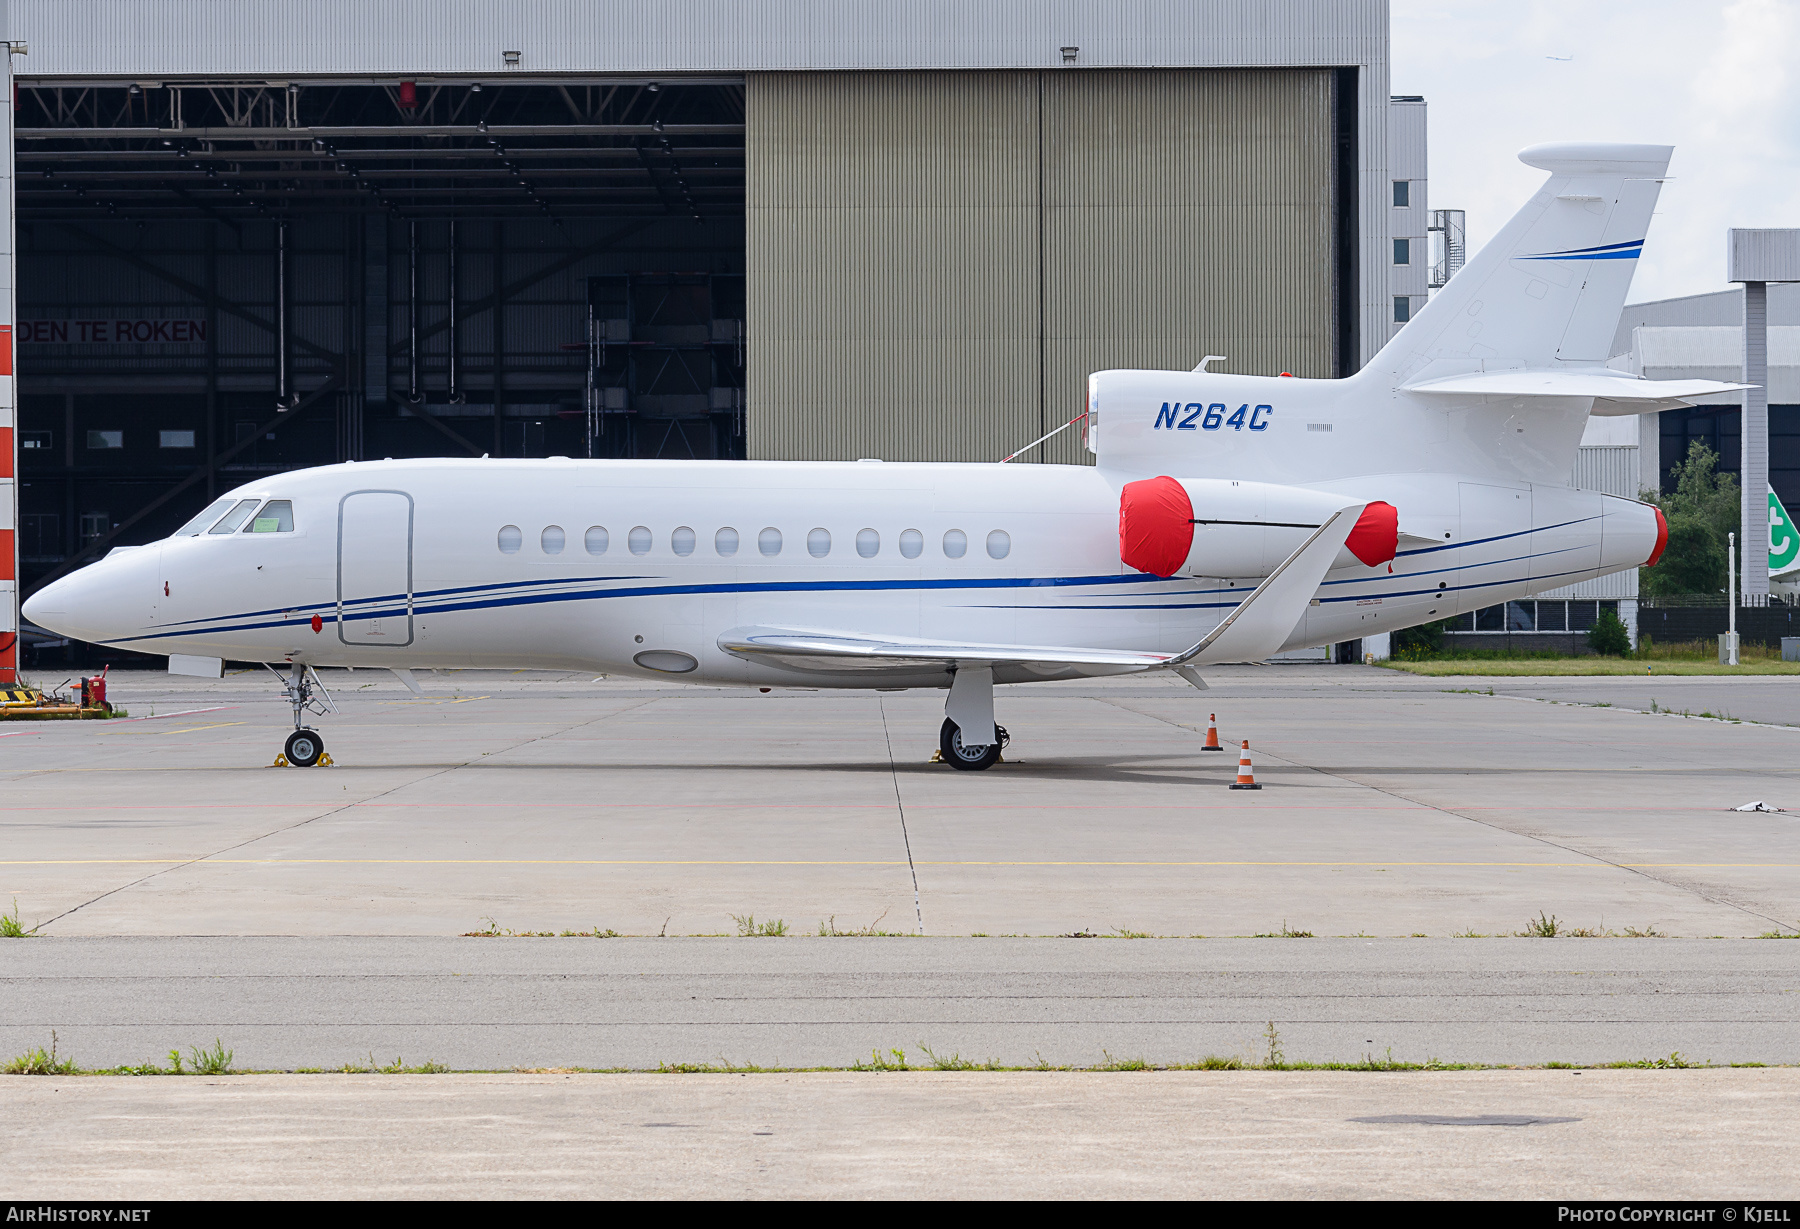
(1121, 1064)
(1589, 932)
(1470, 934)
(1079, 934)
(10, 927)
(1779, 934)
(956, 1062)
(1212, 1062)
(828, 930)
(595, 933)
(1285, 933)
(36, 1062)
(1273, 1058)
(1674, 1061)
(1648, 932)
(896, 1061)
(1544, 927)
(214, 1061)
(750, 928)
(1132, 934)
(175, 1062)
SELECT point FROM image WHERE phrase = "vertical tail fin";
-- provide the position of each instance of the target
(1547, 291)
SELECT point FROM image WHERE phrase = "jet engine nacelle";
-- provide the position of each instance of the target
(1220, 527)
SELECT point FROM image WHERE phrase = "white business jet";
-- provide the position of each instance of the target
(1228, 518)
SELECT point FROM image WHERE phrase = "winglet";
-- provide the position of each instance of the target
(1263, 621)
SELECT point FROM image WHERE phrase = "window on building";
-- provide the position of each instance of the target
(1402, 309)
(1403, 251)
(726, 542)
(40, 536)
(510, 539)
(682, 541)
(912, 543)
(200, 524)
(276, 516)
(96, 525)
(30, 440)
(174, 439)
(552, 539)
(818, 543)
(100, 440)
(1521, 616)
(1582, 615)
(235, 518)
(1490, 619)
(1402, 193)
(956, 543)
(868, 543)
(596, 539)
(1553, 616)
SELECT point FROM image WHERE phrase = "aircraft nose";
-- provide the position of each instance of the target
(104, 601)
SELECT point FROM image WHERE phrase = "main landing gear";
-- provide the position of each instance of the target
(969, 739)
(304, 747)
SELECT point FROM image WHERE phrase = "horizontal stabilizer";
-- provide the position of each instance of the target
(834, 652)
(1613, 394)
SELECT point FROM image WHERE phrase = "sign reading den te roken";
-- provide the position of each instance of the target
(112, 332)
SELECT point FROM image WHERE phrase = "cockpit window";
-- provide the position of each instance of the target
(199, 524)
(236, 517)
(277, 516)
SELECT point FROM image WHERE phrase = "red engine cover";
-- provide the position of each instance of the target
(1662, 537)
(1156, 526)
(1375, 538)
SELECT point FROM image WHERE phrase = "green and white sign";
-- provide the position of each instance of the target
(1784, 538)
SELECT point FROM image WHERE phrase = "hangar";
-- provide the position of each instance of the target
(260, 236)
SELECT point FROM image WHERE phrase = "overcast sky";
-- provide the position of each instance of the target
(1717, 80)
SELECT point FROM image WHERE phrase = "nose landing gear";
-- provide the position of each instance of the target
(304, 747)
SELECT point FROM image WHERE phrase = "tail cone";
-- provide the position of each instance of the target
(1246, 777)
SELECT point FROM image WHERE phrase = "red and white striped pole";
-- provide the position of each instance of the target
(9, 398)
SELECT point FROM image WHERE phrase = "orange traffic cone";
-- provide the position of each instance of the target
(1246, 777)
(1212, 733)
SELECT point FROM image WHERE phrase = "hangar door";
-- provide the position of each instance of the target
(936, 260)
(375, 568)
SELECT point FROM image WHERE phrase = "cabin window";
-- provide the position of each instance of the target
(510, 539)
(956, 544)
(596, 539)
(868, 543)
(769, 542)
(277, 516)
(638, 540)
(208, 515)
(726, 542)
(999, 544)
(818, 543)
(682, 541)
(236, 517)
(552, 539)
(912, 543)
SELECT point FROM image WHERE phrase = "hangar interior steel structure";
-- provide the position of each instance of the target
(783, 230)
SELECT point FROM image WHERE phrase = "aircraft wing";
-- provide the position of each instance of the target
(834, 652)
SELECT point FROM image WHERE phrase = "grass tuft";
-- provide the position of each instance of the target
(828, 930)
(1543, 927)
(36, 1062)
(10, 927)
(1121, 1064)
(750, 928)
(895, 1061)
(213, 1061)
(1285, 933)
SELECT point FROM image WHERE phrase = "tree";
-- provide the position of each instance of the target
(1701, 510)
(1608, 636)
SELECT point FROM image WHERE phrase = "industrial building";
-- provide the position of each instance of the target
(260, 236)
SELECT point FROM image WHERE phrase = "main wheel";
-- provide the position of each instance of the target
(969, 759)
(304, 747)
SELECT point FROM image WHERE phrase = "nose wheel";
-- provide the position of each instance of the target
(957, 754)
(304, 747)
(306, 694)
